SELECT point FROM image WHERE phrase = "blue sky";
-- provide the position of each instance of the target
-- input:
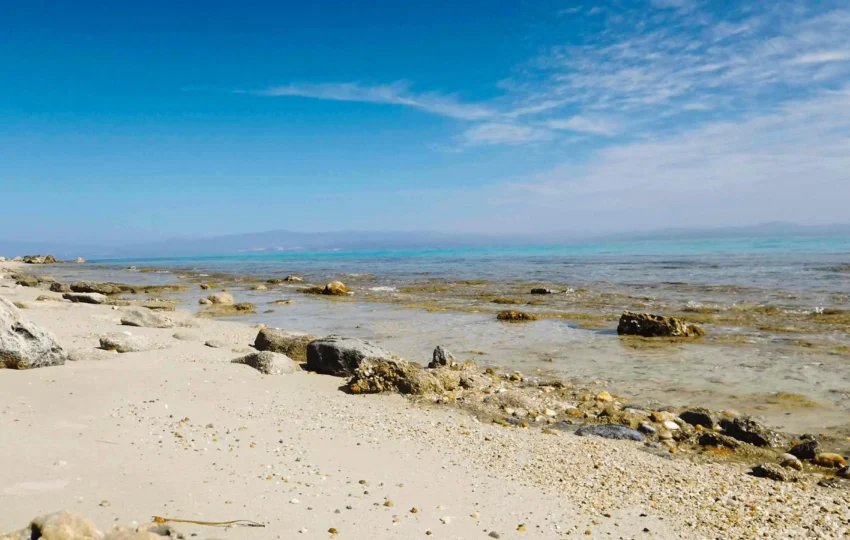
(133, 121)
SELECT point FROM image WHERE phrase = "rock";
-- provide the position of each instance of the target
(26, 280)
(293, 278)
(611, 431)
(292, 344)
(204, 301)
(45, 278)
(791, 462)
(282, 302)
(515, 316)
(57, 526)
(774, 472)
(215, 344)
(746, 429)
(662, 416)
(126, 342)
(373, 376)
(23, 345)
(259, 288)
(18, 259)
(269, 363)
(843, 472)
(94, 287)
(805, 450)
(541, 290)
(204, 286)
(671, 425)
(145, 318)
(224, 298)
(698, 417)
(829, 461)
(648, 325)
(60, 287)
(604, 397)
(336, 288)
(39, 259)
(226, 310)
(186, 336)
(341, 356)
(47, 298)
(441, 357)
(718, 440)
(85, 298)
(647, 429)
(79, 260)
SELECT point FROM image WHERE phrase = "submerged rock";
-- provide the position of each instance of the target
(145, 318)
(648, 325)
(79, 260)
(341, 356)
(269, 363)
(515, 316)
(611, 431)
(293, 278)
(23, 345)
(292, 344)
(225, 310)
(541, 290)
(441, 357)
(224, 298)
(85, 298)
(746, 429)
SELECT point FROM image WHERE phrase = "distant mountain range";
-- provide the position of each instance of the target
(289, 241)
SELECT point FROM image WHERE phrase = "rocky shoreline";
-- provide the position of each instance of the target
(510, 403)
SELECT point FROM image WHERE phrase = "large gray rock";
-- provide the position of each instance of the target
(23, 345)
(126, 342)
(85, 298)
(342, 356)
(649, 325)
(292, 344)
(26, 280)
(145, 318)
(269, 363)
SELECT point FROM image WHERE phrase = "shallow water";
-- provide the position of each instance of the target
(800, 389)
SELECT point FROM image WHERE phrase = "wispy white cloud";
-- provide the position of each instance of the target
(780, 165)
(503, 133)
(397, 93)
(822, 57)
(582, 124)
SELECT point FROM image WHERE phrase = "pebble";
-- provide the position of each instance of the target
(494, 534)
(671, 425)
(647, 428)
(445, 520)
(294, 501)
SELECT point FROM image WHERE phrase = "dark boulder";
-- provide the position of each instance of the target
(341, 356)
(648, 325)
(747, 430)
(698, 417)
(292, 344)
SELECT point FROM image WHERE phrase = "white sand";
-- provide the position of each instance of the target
(106, 427)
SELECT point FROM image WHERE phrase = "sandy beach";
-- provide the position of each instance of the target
(181, 432)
